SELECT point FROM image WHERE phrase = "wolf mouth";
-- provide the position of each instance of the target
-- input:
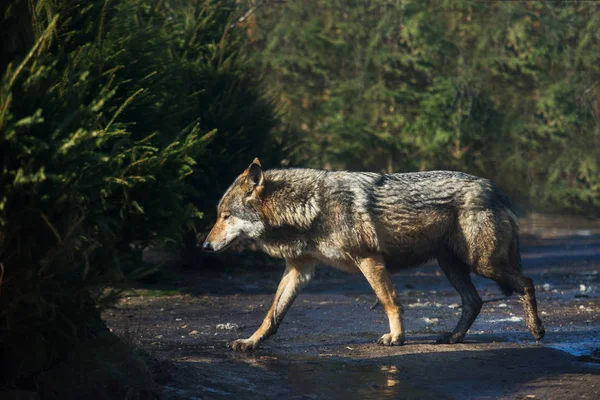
(228, 245)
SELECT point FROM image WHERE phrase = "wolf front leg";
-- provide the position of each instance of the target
(373, 268)
(298, 273)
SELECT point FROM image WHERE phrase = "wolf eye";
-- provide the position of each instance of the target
(226, 216)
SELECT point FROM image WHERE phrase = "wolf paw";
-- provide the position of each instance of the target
(391, 339)
(243, 345)
(538, 332)
(451, 338)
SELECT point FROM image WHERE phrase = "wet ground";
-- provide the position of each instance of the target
(325, 348)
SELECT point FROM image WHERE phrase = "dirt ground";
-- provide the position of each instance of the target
(325, 348)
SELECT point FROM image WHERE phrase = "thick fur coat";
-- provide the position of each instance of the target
(373, 223)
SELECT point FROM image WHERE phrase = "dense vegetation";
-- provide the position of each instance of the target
(507, 90)
(118, 120)
(121, 123)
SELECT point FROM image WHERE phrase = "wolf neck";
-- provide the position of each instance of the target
(290, 199)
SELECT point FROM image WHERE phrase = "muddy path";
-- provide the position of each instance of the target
(325, 348)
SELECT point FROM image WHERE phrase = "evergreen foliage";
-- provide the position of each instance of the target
(106, 110)
(506, 90)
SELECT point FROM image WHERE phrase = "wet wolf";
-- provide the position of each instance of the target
(374, 224)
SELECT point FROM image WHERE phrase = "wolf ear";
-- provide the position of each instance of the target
(255, 174)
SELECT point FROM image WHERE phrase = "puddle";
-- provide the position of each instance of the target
(585, 346)
(587, 351)
(428, 372)
(252, 376)
(341, 379)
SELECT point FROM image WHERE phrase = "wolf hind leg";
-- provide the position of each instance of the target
(298, 274)
(459, 275)
(373, 268)
(506, 272)
(524, 287)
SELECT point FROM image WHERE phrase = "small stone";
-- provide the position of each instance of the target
(229, 326)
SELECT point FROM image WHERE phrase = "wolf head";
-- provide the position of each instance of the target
(238, 213)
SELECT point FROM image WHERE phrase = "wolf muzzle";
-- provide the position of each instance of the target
(207, 246)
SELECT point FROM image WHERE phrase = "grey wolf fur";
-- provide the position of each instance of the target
(372, 224)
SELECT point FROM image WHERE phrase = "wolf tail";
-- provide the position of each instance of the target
(514, 251)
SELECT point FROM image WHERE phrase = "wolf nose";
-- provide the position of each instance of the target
(206, 246)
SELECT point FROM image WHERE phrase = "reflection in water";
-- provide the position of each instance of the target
(310, 378)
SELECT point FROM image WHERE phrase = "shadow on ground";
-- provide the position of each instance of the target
(417, 371)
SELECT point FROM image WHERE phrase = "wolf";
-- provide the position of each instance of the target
(374, 224)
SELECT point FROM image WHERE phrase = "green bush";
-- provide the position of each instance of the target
(107, 110)
(507, 90)
(193, 61)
